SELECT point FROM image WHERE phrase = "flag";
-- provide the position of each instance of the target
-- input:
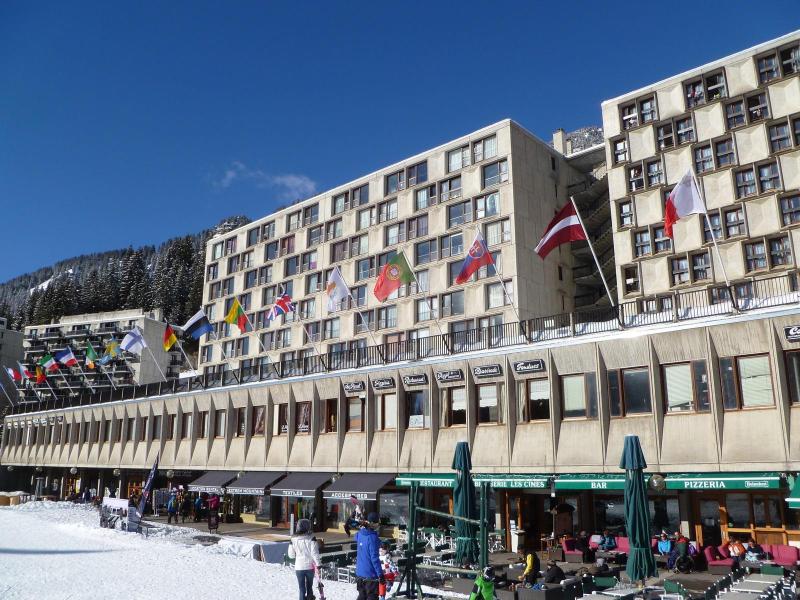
(198, 325)
(683, 200)
(112, 351)
(91, 356)
(169, 338)
(336, 289)
(478, 256)
(148, 486)
(236, 316)
(23, 372)
(565, 227)
(48, 363)
(14, 375)
(283, 305)
(134, 341)
(67, 358)
(40, 375)
(394, 273)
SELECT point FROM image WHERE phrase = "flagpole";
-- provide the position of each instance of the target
(499, 275)
(222, 350)
(4, 389)
(104, 372)
(427, 300)
(360, 314)
(52, 391)
(591, 248)
(69, 387)
(80, 368)
(98, 365)
(153, 356)
(310, 337)
(180, 347)
(710, 228)
(258, 337)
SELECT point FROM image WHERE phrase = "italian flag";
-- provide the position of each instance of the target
(236, 316)
(48, 363)
(393, 274)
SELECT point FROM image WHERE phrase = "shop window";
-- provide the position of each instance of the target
(202, 424)
(280, 424)
(746, 382)
(329, 415)
(355, 414)
(738, 509)
(767, 512)
(686, 387)
(454, 406)
(418, 409)
(579, 396)
(490, 402)
(387, 412)
(632, 396)
(302, 417)
(664, 515)
(257, 426)
(393, 507)
(793, 375)
(534, 400)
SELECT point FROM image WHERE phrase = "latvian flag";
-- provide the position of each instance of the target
(67, 358)
(565, 227)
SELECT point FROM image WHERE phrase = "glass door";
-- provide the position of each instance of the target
(709, 527)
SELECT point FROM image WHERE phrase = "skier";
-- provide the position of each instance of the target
(303, 548)
(389, 571)
(369, 573)
(484, 586)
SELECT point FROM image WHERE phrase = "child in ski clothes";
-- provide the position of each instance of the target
(389, 570)
(304, 550)
(484, 586)
(369, 573)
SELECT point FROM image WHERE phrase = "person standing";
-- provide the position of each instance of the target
(303, 548)
(186, 507)
(369, 573)
(172, 508)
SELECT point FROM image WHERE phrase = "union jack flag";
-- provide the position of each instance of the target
(283, 304)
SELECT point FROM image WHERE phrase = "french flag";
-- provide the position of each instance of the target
(478, 256)
(565, 227)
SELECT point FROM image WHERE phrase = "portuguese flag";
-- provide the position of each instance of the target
(393, 274)
(236, 316)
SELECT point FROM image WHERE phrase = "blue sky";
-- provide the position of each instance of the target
(127, 124)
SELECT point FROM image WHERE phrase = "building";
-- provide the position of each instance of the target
(10, 353)
(708, 376)
(735, 122)
(98, 330)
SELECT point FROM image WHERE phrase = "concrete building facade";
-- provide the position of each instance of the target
(10, 354)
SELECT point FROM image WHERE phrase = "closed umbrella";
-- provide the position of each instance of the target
(641, 563)
(464, 505)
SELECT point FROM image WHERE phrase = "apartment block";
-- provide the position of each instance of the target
(10, 353)
(735, 123)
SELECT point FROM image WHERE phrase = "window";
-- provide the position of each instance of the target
(715, 229)
(212, 272)
(240, 429)
(715, 86)
(768, 177)
(452, 304)
(230, 246)
(355, 414)
(734, 114)
(233, 264)
(695, 95)
(219, 423)
(311, 214)
(271, 251)
(425, 197)
(457, 159)
(360, 195)
(302, 417)
(294, 221)
(620, 149)
(186, 425)
(459, 213)
(630, 116)
(417, 227)
(793, 375)
(790, 209)
(734, 222)
(647, 109)
(314, 236)
(418, 409)
(490, 402)
(633, 396)
(339, 204)
(767, 68)
(387, 317)
(426, 309)
(663, 243)
(496, 233)
(625, 209)
(418, 173)
(534, 400)
(579, 396)
(365, 218)
(746, 382)
(641, 243)
(779, 138)
(281, 420)
(455, 406)
(331, 328)
(291, 266)
(745, 183)
(680, 270)
(495, 173)
(387, 211)
(655, 174)
(202, 424)
(631, 276)
(425, 252)
(755, 256)
(757, 107)
(685, 129)
(450, 189)
(635, 178)
(496, 295)
(339, 251)
(703, 159)
(790, 60)
(701, 266)
(665, 136)
(257, 426)
(328, 415)
(780, 252)
(686, 387)
(287, 245)
(724, 152)
(216, 251)
(365, 268)
(394, 183)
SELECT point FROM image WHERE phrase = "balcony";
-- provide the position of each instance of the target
(77, 333)
(51, 335)
(446, 196)
(109, 328)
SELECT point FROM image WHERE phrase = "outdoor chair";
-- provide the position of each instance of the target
(673, 587)
(772, 570)
(603, 583)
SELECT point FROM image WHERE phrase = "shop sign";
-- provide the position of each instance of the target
(353, 387)
(411, 380)
(347, 495)
(525, 367)
(293, 493)
(383, 383)
(513, 482)
(451, 375)
(245, 491)
(487, 371)
(792, 334)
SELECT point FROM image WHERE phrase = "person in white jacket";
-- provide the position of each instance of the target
(304, 550)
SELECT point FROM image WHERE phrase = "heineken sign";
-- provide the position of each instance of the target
(792, 334)
(452, 375)
(383, 383)
(353, 387)
(525, 367)
(487, 371)
(411, 380)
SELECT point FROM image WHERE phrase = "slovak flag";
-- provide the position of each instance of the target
(683, 200)
(283, 305)
(565, 227)
(478, 256)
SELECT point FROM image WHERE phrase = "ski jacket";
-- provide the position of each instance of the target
(305, 552)
(368, 565)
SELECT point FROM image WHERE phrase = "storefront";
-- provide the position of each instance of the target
(365, 489)
(213, 482)
(250, 494)
(299, 495)
(437, 489)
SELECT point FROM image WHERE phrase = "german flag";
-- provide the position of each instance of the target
(169, 338)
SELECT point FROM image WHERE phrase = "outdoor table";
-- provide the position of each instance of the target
(737, 595)
(620, 592)
(611, 555)
(756, 564)
(762, 577)
(601, 596)
(752, 586)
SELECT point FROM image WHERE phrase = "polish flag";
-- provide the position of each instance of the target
(684, 200)
(565, 227)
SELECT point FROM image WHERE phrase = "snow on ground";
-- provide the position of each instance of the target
(57, 550)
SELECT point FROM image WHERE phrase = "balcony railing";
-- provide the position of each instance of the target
(677, 307)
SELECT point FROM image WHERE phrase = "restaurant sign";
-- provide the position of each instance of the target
(792, 333)
(525, 367)
(451, 375)
(353, 387)
(487, 371)
(411, 380)
(383, 383)
(724, 481)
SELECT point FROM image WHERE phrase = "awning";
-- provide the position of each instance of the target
(253, 483)
(794, 496)
(514, 480)
(591, 481)
(301, 485)
(724, 481)
(364, 486)
(212, 482)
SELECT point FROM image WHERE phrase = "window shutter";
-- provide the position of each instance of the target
(755, 381)
(678, 380)
(574, 394)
